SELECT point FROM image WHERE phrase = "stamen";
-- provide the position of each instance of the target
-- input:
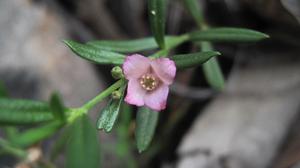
(149, 82)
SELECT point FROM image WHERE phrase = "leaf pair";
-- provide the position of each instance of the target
(20, 112)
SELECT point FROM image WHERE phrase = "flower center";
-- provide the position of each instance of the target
(149, 82)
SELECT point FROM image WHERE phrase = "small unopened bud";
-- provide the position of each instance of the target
(116, 95)
(117, 72)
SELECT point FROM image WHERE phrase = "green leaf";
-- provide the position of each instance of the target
(10, 131)
(7, 148)
(95, 55)
(59, 145)
(125, 46)
(194, 59)
(157, 12)
(110, 113)
(35, 135)
(146, 121)
(212, 70)
(228, 35)
(3, 92)
(129, 46)
(83, 145)
(194, 8)
(57, 107)
(18, 111)
(213, 74)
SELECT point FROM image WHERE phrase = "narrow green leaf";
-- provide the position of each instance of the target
(10, 132)
(228, 35)
(157, 12)
(83, 145)
(59, 145)
(110, 113)
(212, 70)
(193, 7)
(95, 55)
(129, 46)
(193, 59)
(7, 148)
(57, 107)
(213, 74)
(125, 46)
(146, 121)
(3, 92)
(35, 135)
(17, 111)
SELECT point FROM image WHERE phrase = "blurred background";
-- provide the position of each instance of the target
(253, 123)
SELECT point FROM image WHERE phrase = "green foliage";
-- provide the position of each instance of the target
(194, 9)
(213, 74)
(227, 35)
(110, 113)
(3, 92)
(125, 46)
(157, 12)
(83, 145)
(57, 107)
(7, 148)
(130, 46)
(212, 70)
(35, 135)
(146, 121)
(95, 55)
(194, 59)
(81, 140)
(59, 145)
(17, 111)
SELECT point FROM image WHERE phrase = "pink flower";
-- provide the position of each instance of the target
(148, 80)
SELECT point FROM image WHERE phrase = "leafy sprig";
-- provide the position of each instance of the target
(53, 115)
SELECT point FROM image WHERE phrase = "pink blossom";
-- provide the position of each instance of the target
(148, 80)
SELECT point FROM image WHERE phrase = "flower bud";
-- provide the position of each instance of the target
(117, 72)
(116, 95)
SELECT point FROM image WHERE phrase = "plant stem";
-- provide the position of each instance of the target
(7, 148)
(77, 112)
(90, 104)
(211, 68)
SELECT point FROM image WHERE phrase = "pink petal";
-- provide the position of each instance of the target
(157, 99)
(135, 66)
(165, 69)
(135, 93)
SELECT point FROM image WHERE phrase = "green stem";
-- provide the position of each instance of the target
(211, 68)
(77, 112)
(7, 148)
(90, 104)
(172, 44)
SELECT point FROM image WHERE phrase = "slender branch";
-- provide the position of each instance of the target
(8, 148)
(77, 112)
(90, 104)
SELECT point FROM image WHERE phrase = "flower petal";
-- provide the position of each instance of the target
(157, 99)
(135, 66)
(165, 69)
(135, 93)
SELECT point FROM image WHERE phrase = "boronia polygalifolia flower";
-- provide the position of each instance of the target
(148, 80)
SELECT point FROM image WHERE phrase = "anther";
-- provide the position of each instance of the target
(149, 82)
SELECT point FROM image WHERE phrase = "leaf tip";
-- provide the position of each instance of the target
(266, 36)
(218, 53)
